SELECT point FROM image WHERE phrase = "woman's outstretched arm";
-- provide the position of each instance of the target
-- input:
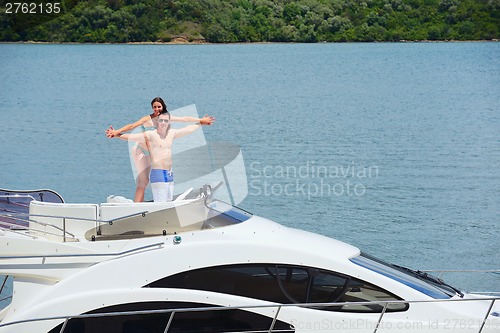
(111, 132)
(206, 120)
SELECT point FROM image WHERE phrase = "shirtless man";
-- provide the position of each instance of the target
(159, 143)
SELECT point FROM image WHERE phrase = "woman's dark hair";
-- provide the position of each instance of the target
(163, 105)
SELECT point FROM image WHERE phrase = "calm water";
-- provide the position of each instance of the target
(391, 147)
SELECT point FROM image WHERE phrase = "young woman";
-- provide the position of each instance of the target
(140, 151)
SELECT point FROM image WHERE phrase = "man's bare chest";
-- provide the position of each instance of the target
(161, 143)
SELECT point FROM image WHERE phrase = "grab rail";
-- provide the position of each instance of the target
(278, 308)
(44, 224)
(28, 220)
(107, 254)
(22, 217)
(443, 271)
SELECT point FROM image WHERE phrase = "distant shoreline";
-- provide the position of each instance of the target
(185, 42)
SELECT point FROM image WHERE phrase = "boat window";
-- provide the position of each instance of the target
(423, 282)
(287, 284)
(231, 320)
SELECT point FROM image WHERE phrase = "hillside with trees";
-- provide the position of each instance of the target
(230, 21)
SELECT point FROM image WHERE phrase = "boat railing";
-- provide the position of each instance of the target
(27, 220)
(21, 213)
(440, 273)
(74, 228)
(74, 255)
(15, 215)
(10, 206)
(171, 313)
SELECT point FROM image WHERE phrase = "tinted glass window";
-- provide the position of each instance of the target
(284, 284)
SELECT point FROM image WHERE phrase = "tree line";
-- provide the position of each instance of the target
(230, 21)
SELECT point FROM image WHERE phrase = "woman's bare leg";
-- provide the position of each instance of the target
(143, 166)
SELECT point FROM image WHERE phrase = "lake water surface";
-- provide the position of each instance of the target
(391, 147)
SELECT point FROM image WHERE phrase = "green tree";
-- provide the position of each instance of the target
(227, 21)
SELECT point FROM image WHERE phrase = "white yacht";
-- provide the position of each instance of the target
(197, 264)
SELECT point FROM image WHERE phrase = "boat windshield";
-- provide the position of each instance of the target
(15, 203)
(418, 280)
(223, 213)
